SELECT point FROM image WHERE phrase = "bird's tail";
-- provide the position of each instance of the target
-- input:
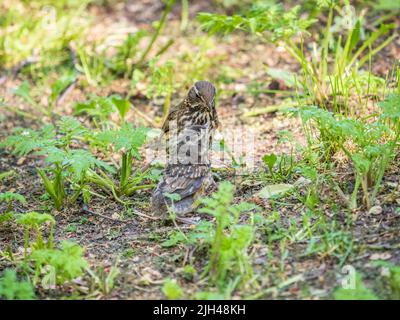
(188, 182)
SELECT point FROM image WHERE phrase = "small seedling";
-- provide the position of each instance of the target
(34, 221)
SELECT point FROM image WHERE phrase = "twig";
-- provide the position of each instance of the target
(85, 209)
(66, 92)
(144, 215)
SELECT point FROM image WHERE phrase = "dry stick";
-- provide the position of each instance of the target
(66, 92)
(185, 259)
(144, 215)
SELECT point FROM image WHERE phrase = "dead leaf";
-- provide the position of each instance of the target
(274, 189)
(375, 210)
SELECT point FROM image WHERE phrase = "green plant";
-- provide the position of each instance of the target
(12, 289)
(332, 69)
(9, 198)
(172, 290)
(161, 81)
(64, 162)
(92, 65)
(360, 292)
(127, 140)
(123, 62)
(35, 32)
(284, 164)
(369, 143)
(99, 109)
(159, 27)
(59, 265)
(104, 280)
(34, 221)
(394, 278)
(229, 241)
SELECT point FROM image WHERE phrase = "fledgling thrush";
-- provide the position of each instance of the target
(188, 127)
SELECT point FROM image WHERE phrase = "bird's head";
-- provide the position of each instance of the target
(203, 93)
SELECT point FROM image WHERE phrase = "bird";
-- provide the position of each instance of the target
(189, 127)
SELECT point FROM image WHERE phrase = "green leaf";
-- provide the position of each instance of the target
(23, 91)
(127, 138)
(172, 290)
(286, 76)
(11, 196)
(24, 141)
(12, 289)
(8, 216)
(34, 218)
(391, 107)
(67, 262)
(98, 107)
(355, 37)
(122, 105)
(81, 160)
(270, 160)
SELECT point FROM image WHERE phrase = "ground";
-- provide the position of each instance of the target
(134, 243)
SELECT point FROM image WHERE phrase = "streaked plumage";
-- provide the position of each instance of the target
(194, 118)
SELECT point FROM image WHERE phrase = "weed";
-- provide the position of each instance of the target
(394, 278)
(9, 198)
(72, 228)
(12, 289)
(104, 280)
(172, 290)
(162, 82)
(229, 242)
(370, 145)
(360, 292)
(34, 221)
(59, 265)
(320, 79)
(127, 140)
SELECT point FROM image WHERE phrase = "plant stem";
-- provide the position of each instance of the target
(353, 199)
(26, 243)
(167, 103)
(185, 15)
(157, 32)
(131, 190)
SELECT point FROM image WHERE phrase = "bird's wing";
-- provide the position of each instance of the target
(185, 180)
(172, 116)
(188, 182)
